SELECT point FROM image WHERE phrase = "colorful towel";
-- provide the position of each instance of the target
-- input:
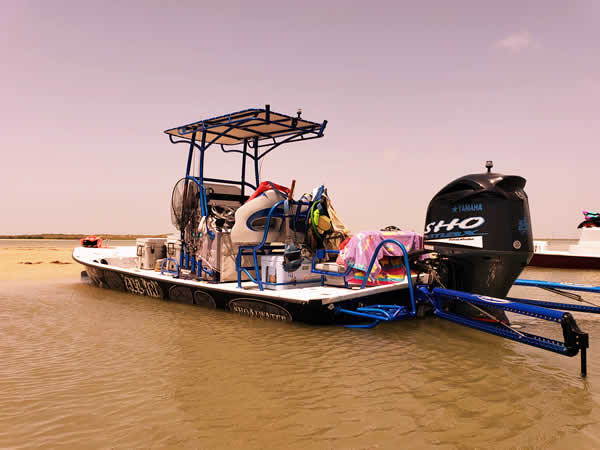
(392, 271)
(360, 248)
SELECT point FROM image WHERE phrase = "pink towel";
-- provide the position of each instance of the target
(358, 252)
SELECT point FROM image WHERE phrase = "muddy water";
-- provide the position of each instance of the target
(88, 367)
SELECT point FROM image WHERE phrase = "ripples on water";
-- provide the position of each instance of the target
(88, 367)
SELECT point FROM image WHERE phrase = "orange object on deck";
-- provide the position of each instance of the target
(91, 241)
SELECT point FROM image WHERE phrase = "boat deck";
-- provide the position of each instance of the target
(122, 260)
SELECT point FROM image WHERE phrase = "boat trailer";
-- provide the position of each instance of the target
(441, 302)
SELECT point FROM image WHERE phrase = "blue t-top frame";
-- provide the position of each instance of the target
(253, 133)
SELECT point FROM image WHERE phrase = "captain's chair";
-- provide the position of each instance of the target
(251, 219)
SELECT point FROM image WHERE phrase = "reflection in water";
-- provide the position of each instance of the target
(93, 367)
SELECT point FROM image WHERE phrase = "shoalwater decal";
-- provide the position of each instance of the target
(467, 241)
(259, 308)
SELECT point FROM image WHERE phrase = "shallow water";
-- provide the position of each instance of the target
(53, 243)
(88, 367)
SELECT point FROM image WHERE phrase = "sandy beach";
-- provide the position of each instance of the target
(35, 263)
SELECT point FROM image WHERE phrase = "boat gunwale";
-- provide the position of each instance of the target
(323, 295)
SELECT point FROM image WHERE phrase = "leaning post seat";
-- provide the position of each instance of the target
(251, 219)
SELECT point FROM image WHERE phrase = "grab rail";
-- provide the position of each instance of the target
(203, 204)
(406, 266)
(175, 272)
(320, 254)
(380, 312)
(254, 249)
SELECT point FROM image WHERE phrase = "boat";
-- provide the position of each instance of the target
(91, 241)
(245, 245)
(583, 255)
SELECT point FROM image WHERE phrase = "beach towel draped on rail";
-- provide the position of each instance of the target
(388, 267)
(326, 229)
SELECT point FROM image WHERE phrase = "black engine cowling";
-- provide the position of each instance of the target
(481, 227)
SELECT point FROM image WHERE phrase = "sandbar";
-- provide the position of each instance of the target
(31, 263)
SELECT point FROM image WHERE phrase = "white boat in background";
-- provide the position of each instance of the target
(583, 255)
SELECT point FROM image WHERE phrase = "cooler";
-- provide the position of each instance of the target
(271, 271)
(148, 251)
(174, 247)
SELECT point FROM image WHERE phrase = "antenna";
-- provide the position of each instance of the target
(489, 165)
(299, 112)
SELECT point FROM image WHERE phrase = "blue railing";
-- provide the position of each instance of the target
(321, 254)
(254, 249)
(186, 260)
(174, 272)
(555, 285)
(203, 204)
(557, 288)
(377, 313)
(263, 247)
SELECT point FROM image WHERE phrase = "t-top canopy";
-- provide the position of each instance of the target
(235, 128)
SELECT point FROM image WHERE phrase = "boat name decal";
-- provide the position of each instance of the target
(467, 223)
(142, 286)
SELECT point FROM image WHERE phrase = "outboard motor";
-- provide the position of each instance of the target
(481, 228)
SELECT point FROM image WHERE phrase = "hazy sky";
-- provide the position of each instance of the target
(416, 95)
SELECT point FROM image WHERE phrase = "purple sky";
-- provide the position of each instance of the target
(416, 94)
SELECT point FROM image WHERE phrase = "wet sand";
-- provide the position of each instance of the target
(34, 263)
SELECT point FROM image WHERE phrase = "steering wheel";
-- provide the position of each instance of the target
(227, 213)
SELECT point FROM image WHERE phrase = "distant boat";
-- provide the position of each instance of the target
(583, 255)
(91, 241)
